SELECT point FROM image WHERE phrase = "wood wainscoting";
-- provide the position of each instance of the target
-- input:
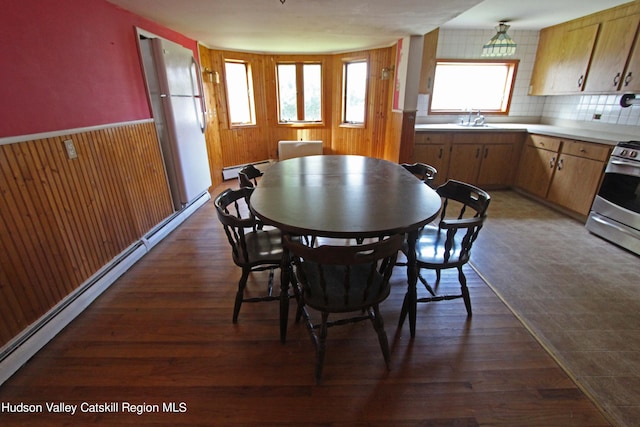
(63, 219)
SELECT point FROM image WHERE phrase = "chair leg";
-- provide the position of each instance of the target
(465, 291)
(404, 310)
(240, 294)
(322, 346)
(378, 325)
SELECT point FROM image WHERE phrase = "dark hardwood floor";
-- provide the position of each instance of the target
(162, 335)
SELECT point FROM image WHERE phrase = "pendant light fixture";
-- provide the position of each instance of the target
(500, 44)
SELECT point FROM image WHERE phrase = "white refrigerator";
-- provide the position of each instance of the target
(177, 98)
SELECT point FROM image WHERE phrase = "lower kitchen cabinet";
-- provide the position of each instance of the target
(433, 148)
(578, 173)
(484, 159)
(563, 171)
(537, 164)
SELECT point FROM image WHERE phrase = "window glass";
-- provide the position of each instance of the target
(472, 85)
(299, 92)
(355, 91)
(312, 92)
(239, 93)
(287, 92)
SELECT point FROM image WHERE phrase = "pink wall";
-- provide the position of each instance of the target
(67, 64)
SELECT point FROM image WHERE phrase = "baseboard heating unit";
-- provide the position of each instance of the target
(24, 346)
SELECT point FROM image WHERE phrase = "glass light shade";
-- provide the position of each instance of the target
(500, 44)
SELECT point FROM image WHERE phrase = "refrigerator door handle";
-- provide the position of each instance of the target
(203, 105)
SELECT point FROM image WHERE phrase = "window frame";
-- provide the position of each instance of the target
(343, 95)
(511, 79)
(300, 92)
(250, 94)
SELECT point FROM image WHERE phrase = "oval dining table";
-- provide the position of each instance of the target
(344, 196)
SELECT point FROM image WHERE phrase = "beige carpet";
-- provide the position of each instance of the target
(577, 293)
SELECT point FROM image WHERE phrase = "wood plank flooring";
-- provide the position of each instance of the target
(162, 335)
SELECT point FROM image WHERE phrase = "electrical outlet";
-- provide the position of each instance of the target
(597, 116)
(71, 149)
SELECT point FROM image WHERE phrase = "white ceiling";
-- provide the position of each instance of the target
(331, 26)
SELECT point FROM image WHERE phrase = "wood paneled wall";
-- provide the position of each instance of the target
(62, 219)
(240, 145)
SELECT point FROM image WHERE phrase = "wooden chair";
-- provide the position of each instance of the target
(244, 180)
(248, 176)
(422, 171)
(352, 280)
(252, 248)
(447, 243)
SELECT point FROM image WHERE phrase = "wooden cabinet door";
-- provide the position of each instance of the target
(436, 155)
(536, 170)
(610, 54)
(464, 164)
(428, 69)
(547, 60)
(571, 73)
(631, 77)
(575, 183)
(496, 165)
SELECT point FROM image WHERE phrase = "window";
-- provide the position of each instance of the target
(354, 92)
(299, 93)
(473, 85)
(239, 93)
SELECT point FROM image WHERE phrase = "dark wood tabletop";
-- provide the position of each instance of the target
(343, 196)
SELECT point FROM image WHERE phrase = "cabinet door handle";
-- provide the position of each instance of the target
(627, 79)
(441, 153)
(560, 164)
(477, 153)
(552, 162)
(486, 152)
(580, 80)
(616, 80)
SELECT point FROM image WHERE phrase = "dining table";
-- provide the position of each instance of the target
(344, 196)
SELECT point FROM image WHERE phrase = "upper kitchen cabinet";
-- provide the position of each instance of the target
(429, 52)
(577, 46)
(589, 54)
(562, 59)
(607, 72)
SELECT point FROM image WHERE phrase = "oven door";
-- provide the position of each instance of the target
(621, 187)
(615, 214)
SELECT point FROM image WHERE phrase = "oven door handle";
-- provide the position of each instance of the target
(623, 167)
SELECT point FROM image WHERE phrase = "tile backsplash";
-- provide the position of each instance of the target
(574, 110)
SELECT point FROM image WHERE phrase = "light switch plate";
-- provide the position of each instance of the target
(71, 149)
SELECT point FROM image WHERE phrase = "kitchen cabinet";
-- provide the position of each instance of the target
(537, 164)
(589, 54)
(562, 171)
(484, 158)
(607, 70)
(578, 172)
(577, 47)
(433, 148)
(428, 69)
(547, 60)
(631, 80)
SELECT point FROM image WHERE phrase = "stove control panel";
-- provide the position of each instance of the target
(627, 150)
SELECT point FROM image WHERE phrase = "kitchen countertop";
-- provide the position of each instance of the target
(589, 135)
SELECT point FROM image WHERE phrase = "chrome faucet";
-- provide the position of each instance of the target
(479, 120)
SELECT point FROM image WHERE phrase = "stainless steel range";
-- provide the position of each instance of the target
(615, 214)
